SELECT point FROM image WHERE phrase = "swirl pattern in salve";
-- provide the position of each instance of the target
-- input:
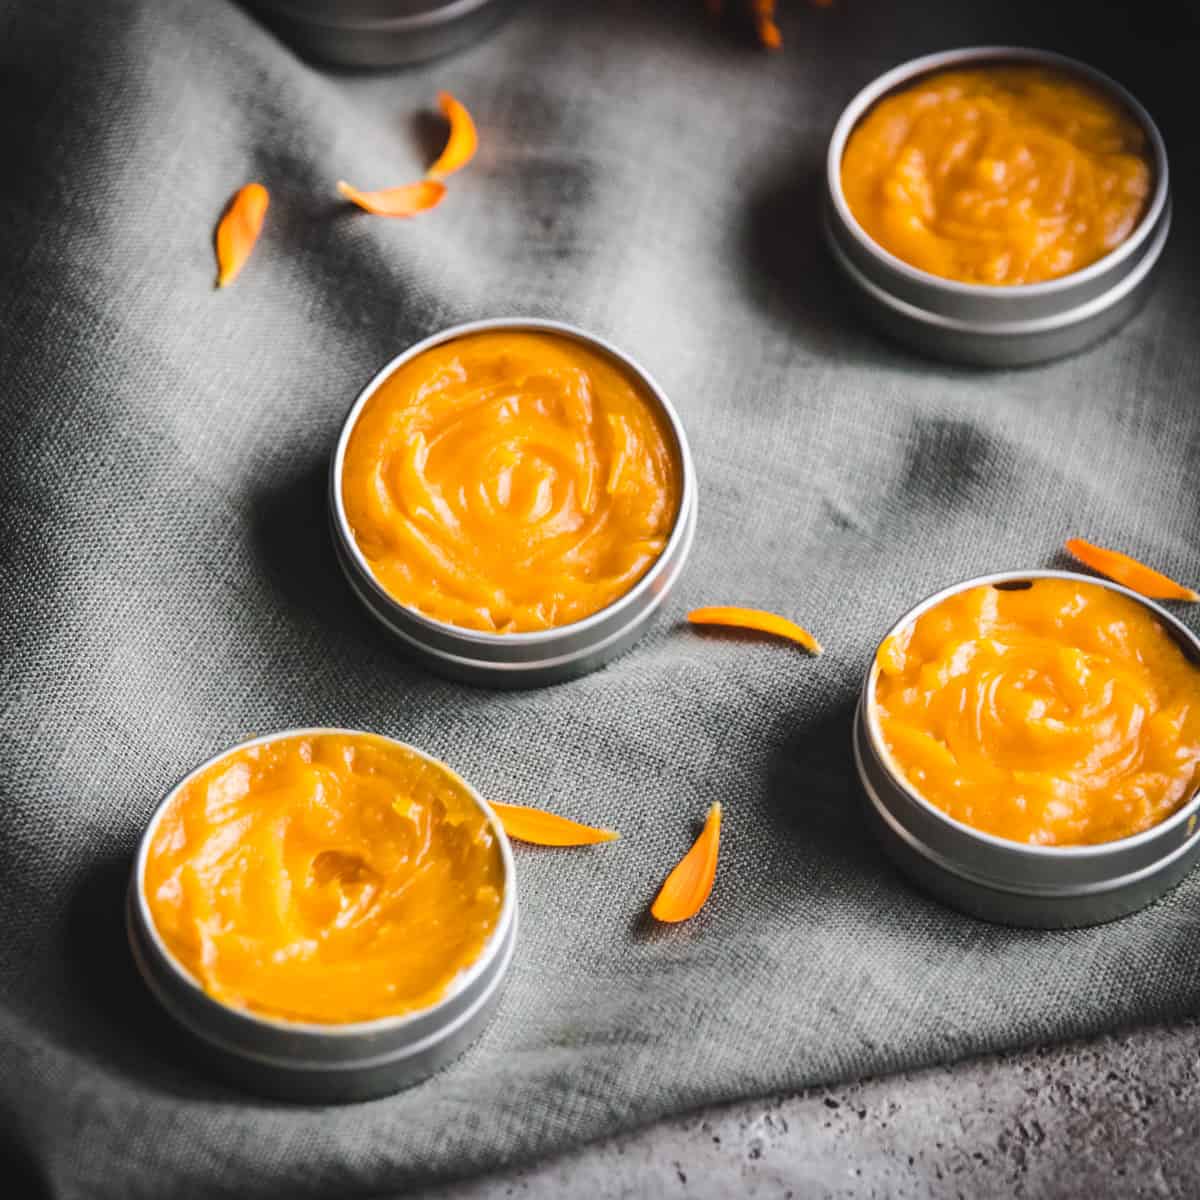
(327, 877)
(511, 481)
(998, 175)
(1060, 713)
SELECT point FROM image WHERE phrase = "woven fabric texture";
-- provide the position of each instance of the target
(168, 585)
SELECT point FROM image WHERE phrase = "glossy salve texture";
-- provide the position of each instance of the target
(998, 174)
(511, 481)
(1055, 714)
(326, 877)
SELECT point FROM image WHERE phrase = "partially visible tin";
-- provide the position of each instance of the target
(983, 325)
(520, 659)
(318, 1063)
(379, 33)
(1043, 887)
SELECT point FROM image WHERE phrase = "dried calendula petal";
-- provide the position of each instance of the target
(764, 24)
(548, 829)
(238, 230)
(1129, 572)
(689, 885)
(754, 618)
(462, 142)
(405, 201)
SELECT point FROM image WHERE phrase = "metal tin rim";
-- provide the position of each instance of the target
(942, 60)
(679, 540)
(410, 22)
(140, 911)
(1096, 851)
(992, 883)
(357, 585)
(294, 1063)
(1029, 327)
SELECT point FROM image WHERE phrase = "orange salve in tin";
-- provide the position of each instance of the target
(511, 481)
(998, 174)
(325, 877)
(1057, 714)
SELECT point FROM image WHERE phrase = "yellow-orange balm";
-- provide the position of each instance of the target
(998, 174)
(1058, 714)
(325, 878)
(510, 482)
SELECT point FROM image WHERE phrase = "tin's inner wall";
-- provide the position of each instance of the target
(1061, 713)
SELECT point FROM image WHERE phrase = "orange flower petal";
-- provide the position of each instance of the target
(462, 142)
(1129, 572)
(404, 201)
(238, 230)
(548, 829)
(768, 34)
(755, 618)
(690, 884)
(764, 23)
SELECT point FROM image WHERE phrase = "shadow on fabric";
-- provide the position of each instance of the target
(115, 1011)
(818, 807)
(815, 802)
(790, 272)
(294, 545)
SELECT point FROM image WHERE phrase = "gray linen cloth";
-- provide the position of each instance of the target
(169, 587)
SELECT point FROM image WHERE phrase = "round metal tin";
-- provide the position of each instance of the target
(379, 33)
(514, 660)
(316, 1063)
(1044, 887)
(975, 323)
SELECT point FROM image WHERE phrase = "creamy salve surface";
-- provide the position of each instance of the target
(998, 174)
(325, 878)
(511, 481)
(1062, 713)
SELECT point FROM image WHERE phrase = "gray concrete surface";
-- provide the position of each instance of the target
(1118, 1116)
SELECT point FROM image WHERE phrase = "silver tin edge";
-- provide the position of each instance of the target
(1009, 882)
(373, 40)
(1024, 328)
(365, 14)
(313, 1062)
(1004, 344)
(1089, 302)
(520, 674)
(520, 659)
